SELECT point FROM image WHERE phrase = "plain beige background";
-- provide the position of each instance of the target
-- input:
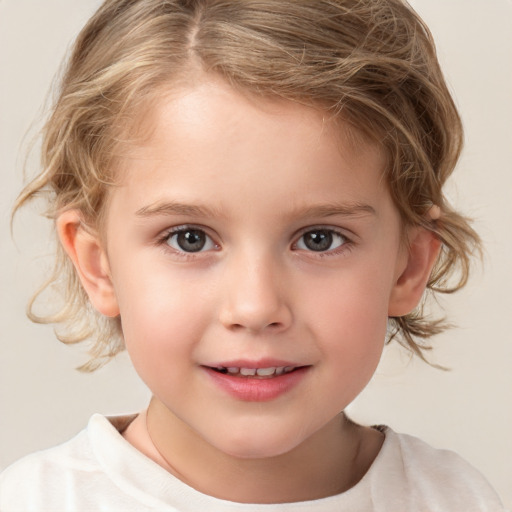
(44, 401)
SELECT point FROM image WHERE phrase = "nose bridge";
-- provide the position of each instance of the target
(255, 295)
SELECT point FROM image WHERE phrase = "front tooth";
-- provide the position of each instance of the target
(265, 372)
(248, 371)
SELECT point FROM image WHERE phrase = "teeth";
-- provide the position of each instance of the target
(265, 372)
(260, 372)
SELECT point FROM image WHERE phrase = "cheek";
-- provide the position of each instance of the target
(351, 319)
(356, 340)
(353, 301)
(162, 321)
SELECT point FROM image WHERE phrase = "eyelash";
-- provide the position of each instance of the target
(167, 236)
(345, 245)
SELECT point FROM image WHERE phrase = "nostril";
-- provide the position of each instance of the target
(237, 316)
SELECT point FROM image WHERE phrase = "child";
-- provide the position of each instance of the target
(249, 194)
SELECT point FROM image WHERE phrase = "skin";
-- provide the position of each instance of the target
(258, 178)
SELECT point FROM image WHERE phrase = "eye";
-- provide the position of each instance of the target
(320, 240)
(189, 240)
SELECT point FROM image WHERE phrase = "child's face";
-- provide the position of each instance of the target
(249, 234)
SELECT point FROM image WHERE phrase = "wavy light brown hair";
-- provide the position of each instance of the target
(372, 63)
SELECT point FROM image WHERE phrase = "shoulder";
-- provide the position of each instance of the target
(61, 455)
(38, 481)
(439, 479)
(31, 480)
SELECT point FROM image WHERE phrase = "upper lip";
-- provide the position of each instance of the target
(261, 363)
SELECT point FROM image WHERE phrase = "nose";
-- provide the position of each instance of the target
(255, 297)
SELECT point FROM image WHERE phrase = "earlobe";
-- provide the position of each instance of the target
(90, 261)
(422, 254)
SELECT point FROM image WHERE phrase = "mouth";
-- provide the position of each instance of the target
(256, 382)
(258, 373)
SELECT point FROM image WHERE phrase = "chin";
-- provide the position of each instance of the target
(249, 446)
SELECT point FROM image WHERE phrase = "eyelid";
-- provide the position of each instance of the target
(348, 240)
(167, 233)
(345, 233)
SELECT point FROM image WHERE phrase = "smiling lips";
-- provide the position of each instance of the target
(270, 372)
(251, 384)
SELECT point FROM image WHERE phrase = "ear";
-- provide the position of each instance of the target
(90, 260)
(421, 254)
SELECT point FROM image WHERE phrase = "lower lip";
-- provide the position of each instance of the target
(251, 389)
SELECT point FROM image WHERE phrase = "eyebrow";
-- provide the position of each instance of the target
(330, 210)
(174, 208)
(321, 211)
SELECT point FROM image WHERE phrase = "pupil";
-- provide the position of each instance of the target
(318, 240)
(191, 240)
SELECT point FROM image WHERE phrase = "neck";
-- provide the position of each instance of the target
(331, 461)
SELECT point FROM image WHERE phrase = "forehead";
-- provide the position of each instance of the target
(211, 138)
(215, 110)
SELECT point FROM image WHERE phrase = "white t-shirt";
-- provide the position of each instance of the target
(98, 470)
